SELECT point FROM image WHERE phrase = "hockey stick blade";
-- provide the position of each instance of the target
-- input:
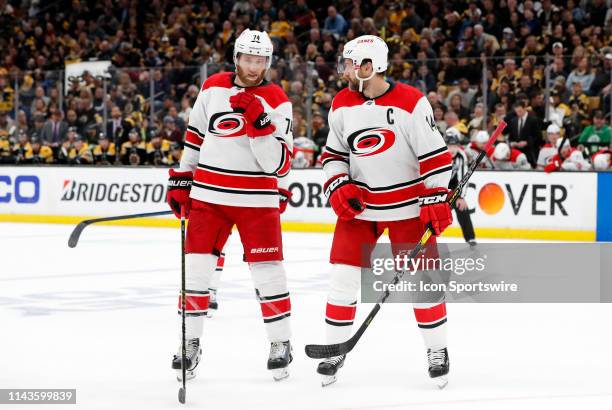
(325, 351)
(338, 349)
(73, 240)
(76, 234)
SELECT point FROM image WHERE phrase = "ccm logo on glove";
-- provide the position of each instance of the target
(435, 209)
(434, 199)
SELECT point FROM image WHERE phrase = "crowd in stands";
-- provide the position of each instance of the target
(444, 48)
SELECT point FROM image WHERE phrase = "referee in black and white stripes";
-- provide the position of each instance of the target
(460, 166)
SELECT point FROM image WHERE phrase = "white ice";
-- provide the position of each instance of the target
(101, 318)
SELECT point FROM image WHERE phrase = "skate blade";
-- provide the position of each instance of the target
(327, 380)
(280, 374)
(441, 381)
(190, 374)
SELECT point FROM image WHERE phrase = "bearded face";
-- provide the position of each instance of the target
(251, 69)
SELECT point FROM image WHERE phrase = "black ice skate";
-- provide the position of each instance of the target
(280, 357)
(212, 303)
(329, 367)
(192, 358)
(438, 366)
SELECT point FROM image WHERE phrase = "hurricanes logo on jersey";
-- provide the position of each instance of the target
(226, 124)
(370, 141)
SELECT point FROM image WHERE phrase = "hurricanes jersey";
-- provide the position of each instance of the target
(390, 146)
(229, 167)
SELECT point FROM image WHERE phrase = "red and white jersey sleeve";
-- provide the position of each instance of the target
(229, 167)
(391, 148)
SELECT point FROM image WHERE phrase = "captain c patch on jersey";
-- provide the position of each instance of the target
(227, 124)
(370, 141)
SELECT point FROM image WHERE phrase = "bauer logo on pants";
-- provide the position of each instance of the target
(265, 250)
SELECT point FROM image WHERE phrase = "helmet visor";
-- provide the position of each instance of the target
(344, 64)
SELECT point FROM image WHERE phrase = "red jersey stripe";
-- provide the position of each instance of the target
(235, 181)
(392, 197)
(442, 159)
(193, 138)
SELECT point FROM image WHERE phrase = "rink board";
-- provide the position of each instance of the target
(527, 205)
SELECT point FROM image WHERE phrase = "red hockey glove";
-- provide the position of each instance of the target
(285, 196)
(258, 122)
(553, 165)
(179, 186)
(435, 209)
(344, 196)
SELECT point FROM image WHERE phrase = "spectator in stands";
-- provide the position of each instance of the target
(54, 131)
(465, 92)
(579, 105)
(455, 105)
(117, 128)
(158, 150)
(22, 150)
(517, 36)
(601, 79)
(581, 74)
(41, 154)
(174, 158)
(80, 154)
(525, 132)
(170, 131)
(6, 152)
(104, 153)
(477, 122)
(7, 125)
(133, 151)
(335, 22)
(596, 136)
(452, 121)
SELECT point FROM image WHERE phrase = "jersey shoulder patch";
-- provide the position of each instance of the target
(402, 96)
(347, 98)
(223, 80)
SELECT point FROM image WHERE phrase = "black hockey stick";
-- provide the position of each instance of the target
(338, 349)
(76, 233)
(183, 390)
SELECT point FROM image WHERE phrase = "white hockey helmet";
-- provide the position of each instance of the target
(452, 136)
(601, 162)
(481, 137)
(362, 48)
(566, 143)
(256, 43)
(553, 129)
(501, 152)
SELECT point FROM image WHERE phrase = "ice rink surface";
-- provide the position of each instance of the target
(101, 318)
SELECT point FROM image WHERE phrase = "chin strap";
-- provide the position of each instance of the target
(361, 80)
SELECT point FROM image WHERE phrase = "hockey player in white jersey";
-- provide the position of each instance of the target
(387, 166)
(237, 145)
